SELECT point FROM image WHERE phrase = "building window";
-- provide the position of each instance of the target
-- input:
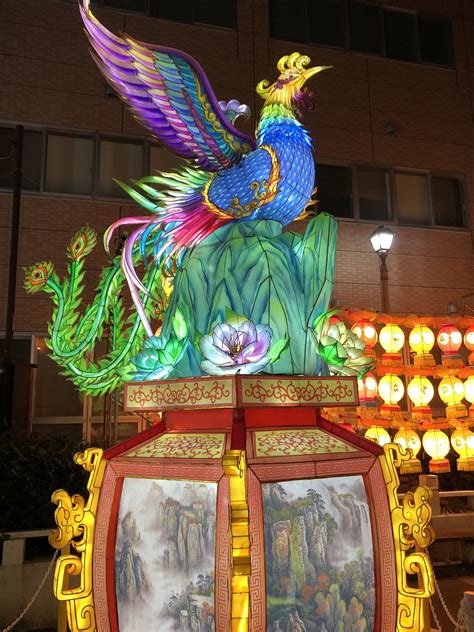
(140, 6)
(162, 159)
(436, 41)
(69, 164)
(327, 22)
(365, 27)
(334, 193)
(31, 167)
(413, 199)
(119, 160)
(401, 40)
(372, 29)
(373, 189)
(214, 12)
(384, 195)
(447, 201)
(288, 20)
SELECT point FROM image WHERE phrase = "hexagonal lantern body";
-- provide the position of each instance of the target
(241, 497)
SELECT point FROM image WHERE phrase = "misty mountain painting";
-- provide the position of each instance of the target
(164, 556)
(319, 556)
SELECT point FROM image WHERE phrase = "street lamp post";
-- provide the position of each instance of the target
(381, 240)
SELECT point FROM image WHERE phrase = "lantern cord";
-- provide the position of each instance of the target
(33, 599)
(443, 603)
(435, 618)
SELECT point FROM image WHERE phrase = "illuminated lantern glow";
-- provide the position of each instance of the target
(377, 434)
(365, 330)
(469, 393)
(451, 391)
(462, 441)
(469, 342)
(449, 340)
(420, 391)
(367, 386)
(391, 390)
(408, 439)
(421, 341)
(436, 445)
(392, 339)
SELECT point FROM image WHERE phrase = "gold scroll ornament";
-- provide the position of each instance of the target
(76, 520)
(235, 468)
(412, 534)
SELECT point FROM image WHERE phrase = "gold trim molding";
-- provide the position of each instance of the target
(412, 534)
(76, 521)
(235, 467)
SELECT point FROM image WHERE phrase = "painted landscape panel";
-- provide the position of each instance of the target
(319, 556)
(164, 556)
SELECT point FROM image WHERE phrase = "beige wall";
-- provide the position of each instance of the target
(47, 78)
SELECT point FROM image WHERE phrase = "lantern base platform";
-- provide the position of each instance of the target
(455, 411)
(441, 466)
(424, 361)
(465, 464)
(411, 467)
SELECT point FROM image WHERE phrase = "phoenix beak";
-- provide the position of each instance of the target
(307, 74)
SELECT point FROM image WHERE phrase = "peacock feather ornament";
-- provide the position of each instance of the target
(229, 176)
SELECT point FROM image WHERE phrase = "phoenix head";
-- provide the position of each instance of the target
(289, 89)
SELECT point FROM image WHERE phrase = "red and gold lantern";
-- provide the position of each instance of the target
(365, 330)
(469, 342)
(449, 340)
(367, 386)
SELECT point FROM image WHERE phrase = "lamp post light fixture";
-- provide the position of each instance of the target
(381, 240)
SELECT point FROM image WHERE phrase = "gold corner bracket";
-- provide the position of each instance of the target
(412, 534)
(235, 468)
(76, 520)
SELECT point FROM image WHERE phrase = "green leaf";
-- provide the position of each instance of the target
(277, 349)
(179, 325)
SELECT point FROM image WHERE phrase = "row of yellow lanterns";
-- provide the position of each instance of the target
(421, 340)
(435, 443)
(452, 390)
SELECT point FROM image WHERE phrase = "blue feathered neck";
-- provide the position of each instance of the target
(279, 124)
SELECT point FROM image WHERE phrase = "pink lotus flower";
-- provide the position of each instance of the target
(237, 346)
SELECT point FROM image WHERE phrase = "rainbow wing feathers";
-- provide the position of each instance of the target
(169, 93)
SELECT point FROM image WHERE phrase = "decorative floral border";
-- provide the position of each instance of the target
(241, 391)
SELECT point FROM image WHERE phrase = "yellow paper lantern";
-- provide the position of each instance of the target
(392, 339)
(451, 391)
(420, 390)
(421, 341)
(436, 445)
(407, 438)
(377, 434)
(469, 393)
(462, 441)
(391, 390)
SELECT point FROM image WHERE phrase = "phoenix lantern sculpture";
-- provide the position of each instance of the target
(217, 286)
